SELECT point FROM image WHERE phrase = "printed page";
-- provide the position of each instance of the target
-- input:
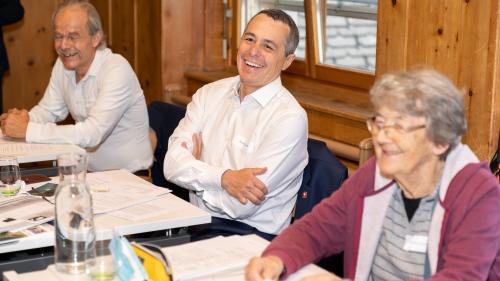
(211, 256)
(32, 152)
(120, 189)
(23, 212)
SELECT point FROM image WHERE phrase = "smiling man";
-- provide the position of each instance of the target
(100, 91)
(242, 146)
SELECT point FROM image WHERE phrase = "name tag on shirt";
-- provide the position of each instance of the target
(415, 243)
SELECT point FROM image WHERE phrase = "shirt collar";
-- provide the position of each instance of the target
(265, 93)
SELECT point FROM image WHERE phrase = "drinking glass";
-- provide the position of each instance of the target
(10, 177)
(102, 267)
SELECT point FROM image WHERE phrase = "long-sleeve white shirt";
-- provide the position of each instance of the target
(267, 129)
(109, 109)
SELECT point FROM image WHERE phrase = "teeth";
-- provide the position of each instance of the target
(68, 55)
(253, 64)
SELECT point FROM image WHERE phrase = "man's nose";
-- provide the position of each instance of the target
(254, 50)
(65, 42)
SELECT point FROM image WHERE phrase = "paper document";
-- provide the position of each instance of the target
(13, 236)
(119, 189)
(24, 211)
(145, 210)
(33, 152)
(211, 256)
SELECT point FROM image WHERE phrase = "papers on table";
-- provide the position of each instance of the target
(122, 190)
(208, 257)
(24, 211)
(33, 152)
(13, 236)
(119, 193)
(221, 259)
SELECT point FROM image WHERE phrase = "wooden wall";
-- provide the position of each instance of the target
(458, 38)
(133, 28)
(31, 54)
(192, 33)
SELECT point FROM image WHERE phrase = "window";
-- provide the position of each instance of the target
(350, 34)
(337, 37)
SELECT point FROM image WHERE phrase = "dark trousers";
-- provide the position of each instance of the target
(225, 227)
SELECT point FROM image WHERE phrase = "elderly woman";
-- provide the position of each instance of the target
(424, 208)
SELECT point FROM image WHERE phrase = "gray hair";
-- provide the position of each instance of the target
(94, 20)
(424, 93)
(292, 40)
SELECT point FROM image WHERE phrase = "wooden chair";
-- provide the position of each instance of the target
(365, 150)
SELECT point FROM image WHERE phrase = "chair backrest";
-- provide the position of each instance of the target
(323, 175)
(365, 150)
(163, 119)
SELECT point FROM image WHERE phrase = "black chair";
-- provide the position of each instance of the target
(163, 119)
(323, 175)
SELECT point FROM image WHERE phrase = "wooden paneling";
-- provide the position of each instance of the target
(31, 55)
(458, 38)
(133, 29)
(148, 48)
(192, 33)
(213, 57)
(123, 29)
(102, 7)
(391, 35)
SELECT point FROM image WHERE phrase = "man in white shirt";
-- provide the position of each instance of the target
(98, 88)
(242, 146)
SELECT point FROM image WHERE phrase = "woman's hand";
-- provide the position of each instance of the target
(264, 268)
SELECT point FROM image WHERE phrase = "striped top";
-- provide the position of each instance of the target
(394, 261)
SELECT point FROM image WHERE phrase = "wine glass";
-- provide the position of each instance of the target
(10, 176)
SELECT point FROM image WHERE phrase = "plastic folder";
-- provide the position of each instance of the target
(153, 261)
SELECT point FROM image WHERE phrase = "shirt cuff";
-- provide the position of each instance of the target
(31, 131)
(213, 177)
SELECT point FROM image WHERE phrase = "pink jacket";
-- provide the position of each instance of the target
(464, 236)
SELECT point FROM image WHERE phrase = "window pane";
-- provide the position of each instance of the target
(294, 8)
(350, 34)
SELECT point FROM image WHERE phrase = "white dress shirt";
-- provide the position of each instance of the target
(267, 129)
(109, 109)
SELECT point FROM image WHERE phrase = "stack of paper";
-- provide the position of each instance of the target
(208, 257)
(33, 152)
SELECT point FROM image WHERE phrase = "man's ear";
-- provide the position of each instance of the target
(96, 38)
(288, 61)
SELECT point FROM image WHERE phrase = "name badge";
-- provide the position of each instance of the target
(416, 243)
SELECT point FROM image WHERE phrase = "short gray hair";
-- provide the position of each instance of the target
(94, 20)
(292, 40)
(424, 93)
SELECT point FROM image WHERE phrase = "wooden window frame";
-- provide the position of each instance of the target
(310, 66)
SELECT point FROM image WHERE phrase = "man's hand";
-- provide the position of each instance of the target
(244, 185)
(265, 268)
(197, 145)
(14, 123)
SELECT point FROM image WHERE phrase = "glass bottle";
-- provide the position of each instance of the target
(74, 223)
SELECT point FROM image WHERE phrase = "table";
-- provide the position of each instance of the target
(179, 214)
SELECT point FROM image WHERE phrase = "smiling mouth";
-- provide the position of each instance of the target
(67, 54)
(252, 64)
